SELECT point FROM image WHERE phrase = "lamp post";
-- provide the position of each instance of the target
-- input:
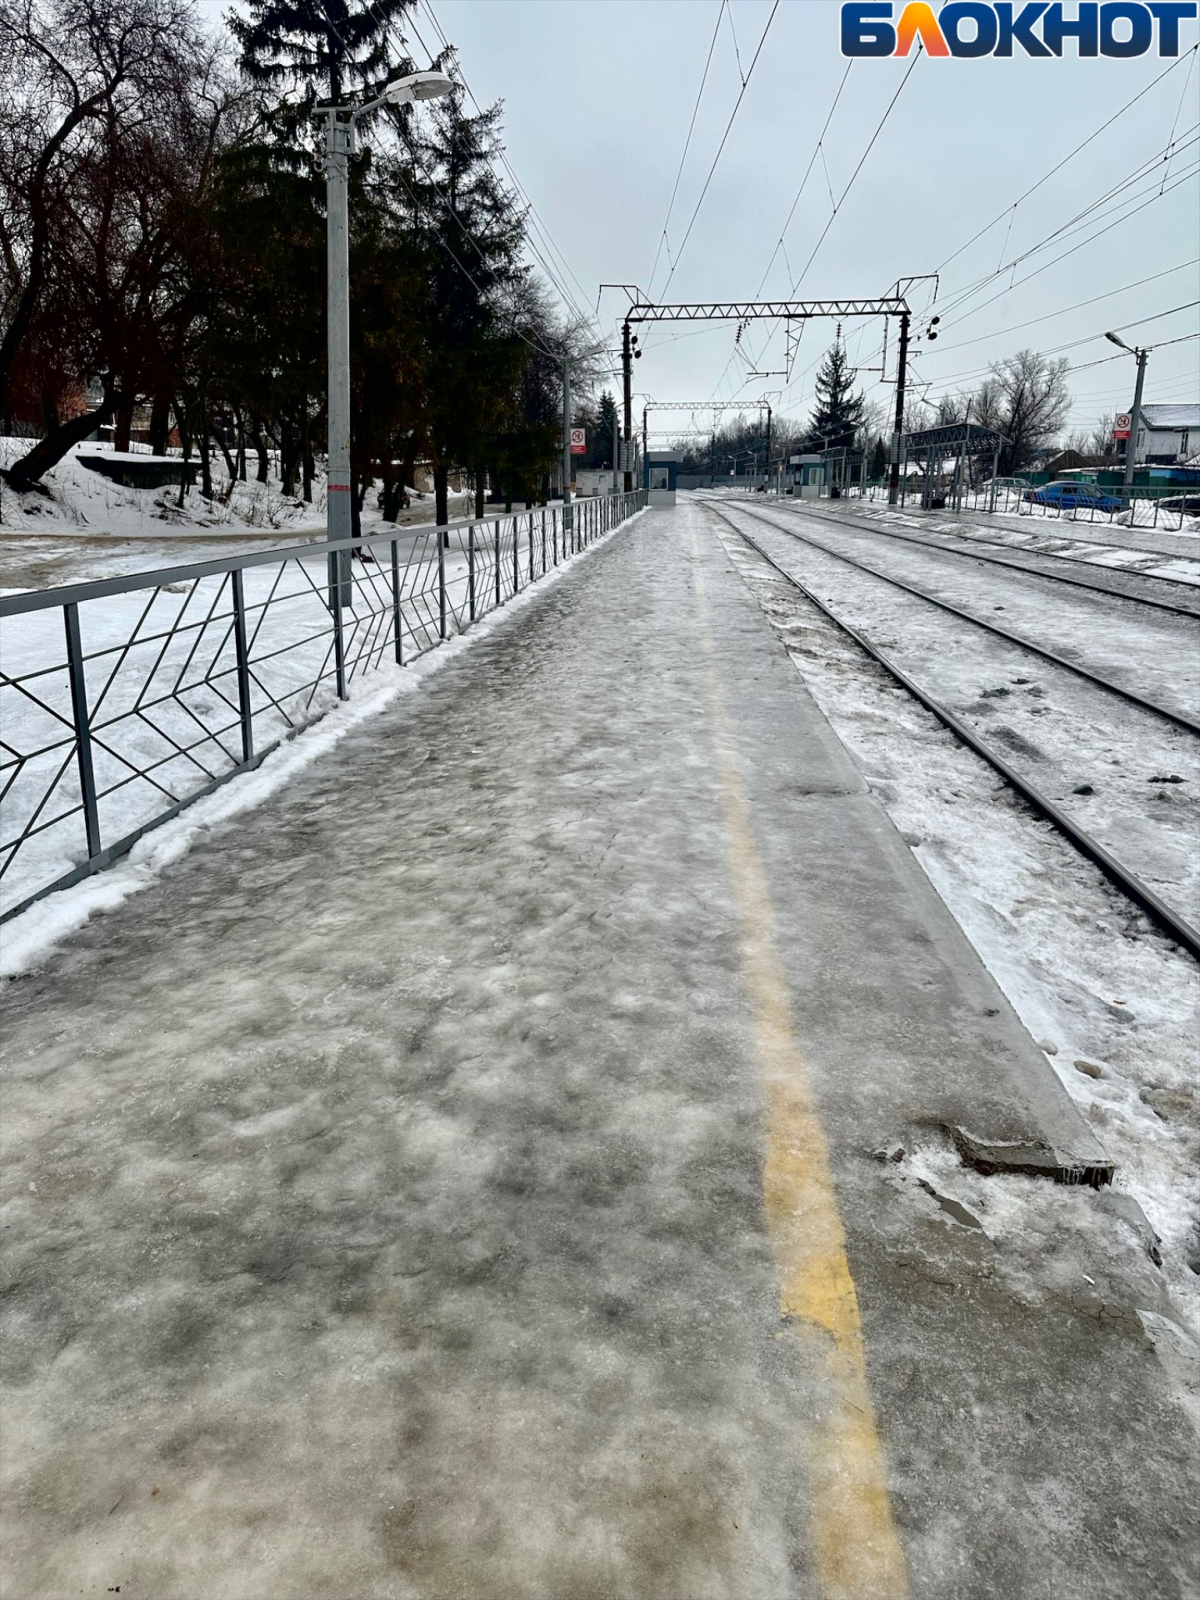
(1135, 416)
(340, 126)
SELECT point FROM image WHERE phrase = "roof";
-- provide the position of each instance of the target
(1171, 416)
(951, 436)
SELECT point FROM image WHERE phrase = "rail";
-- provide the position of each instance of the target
(125, 700)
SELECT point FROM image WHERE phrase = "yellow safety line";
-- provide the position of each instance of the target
(856, 1547)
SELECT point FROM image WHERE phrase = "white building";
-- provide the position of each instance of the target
(1168, 436)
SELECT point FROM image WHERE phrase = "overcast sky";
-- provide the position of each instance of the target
(598, 97)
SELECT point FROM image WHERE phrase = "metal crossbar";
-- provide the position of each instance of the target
(124, 700)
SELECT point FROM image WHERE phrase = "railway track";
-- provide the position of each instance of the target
(1157, 602)
(1128, 882)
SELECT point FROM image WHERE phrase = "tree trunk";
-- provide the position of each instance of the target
(241, 446)
(160, 423)
(48, 452)
(289, 457)
(393, 492)
(480, 492)
(441, 512)
(185, 439)
(306, 456)
(260, 447)
(206, 488)
(124, 427)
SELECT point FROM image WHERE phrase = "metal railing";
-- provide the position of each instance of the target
(125, 700)
(1155, 506)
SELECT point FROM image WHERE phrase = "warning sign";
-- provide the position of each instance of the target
(1122, 425)
(578, 442)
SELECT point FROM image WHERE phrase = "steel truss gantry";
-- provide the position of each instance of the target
(892, 305)
(704, 405)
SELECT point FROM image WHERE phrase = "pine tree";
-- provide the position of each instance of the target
(306, 51)
(606, 417)
(838, 413)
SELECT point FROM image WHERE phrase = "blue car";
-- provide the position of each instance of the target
(1073, 497)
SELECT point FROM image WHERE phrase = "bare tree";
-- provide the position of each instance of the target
(1026, 397)
(77, 75)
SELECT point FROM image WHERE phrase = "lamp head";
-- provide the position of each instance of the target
(418, 86)
(1113, 337)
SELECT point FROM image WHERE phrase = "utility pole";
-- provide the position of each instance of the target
(339, 146)
(767, 462)
(566, 443)
(627, 379)
(340, 122)
(898, 433)
(616, 447)
(1135, 420)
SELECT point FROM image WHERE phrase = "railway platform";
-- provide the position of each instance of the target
(499, 1166)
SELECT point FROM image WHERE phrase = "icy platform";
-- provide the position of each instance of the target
(514, 1162)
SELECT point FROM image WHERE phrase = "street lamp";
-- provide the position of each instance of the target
(340, 125)
(1135, 416)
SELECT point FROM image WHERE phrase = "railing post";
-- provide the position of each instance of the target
(397, 616)
(441, 585)
(532, 562)
(516, 555)
(243, 662)
(544, 541)
(554, 532)
(83, 732)
(335, 611)
(471, 569)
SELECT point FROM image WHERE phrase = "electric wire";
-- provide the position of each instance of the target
(1058, 166)
(686, 146)
(721, 147)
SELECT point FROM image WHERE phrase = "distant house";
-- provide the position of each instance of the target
(1168, 436)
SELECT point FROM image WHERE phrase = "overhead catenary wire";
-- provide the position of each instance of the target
(721, 146)
(663, 240)
(841, 201)
(1058, 166)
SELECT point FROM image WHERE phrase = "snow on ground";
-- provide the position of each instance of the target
(89, 527)
(1161, 547)
(27, 939)
(1114, 1005)
(80, 500)
(1139, 774)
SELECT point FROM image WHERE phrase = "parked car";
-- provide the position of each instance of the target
(1190, 503)
(1004, 483)
(1073, 497)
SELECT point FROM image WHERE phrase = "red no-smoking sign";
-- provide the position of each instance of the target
(578, 442)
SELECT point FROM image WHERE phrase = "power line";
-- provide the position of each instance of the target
(721, 147)
(838, 204)
(686, 146)
(1046, 176)
(811, 160)
(552, 272)
(857, 170)
(1063, 230)
(1063, 310)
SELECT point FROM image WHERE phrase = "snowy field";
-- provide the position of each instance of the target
(1114, 1005)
